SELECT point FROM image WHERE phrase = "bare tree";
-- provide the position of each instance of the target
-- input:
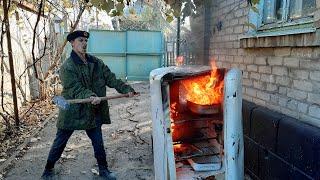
(6, 6)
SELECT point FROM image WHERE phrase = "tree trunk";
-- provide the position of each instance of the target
(13, 83)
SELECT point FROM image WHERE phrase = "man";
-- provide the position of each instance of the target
(84, 76)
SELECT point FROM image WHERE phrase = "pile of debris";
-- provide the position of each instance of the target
(32, 117)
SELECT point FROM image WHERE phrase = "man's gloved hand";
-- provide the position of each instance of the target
(131, 94)
(95, 100)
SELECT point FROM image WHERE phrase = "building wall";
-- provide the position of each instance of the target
(21, 28)
(282, 78)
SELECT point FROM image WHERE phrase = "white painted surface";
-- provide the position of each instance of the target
(164, 165)
(233, 131)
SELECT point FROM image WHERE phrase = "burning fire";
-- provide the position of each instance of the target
(205, 90)
(173, 110)
(179, 60)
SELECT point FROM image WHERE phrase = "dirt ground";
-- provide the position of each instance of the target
(127, 141)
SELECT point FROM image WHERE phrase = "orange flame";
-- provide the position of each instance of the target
(180, 148)
(205, 90)
(179, 60)
(173, 109)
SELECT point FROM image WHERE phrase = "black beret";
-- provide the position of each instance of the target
(73, 35)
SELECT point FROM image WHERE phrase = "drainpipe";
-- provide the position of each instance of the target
(178, 36)
(207, 34)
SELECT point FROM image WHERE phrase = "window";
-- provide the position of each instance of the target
(282, 15)
(287, 10)
(272, 22)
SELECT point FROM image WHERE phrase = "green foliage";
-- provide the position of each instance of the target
(106, 5)
(67, 4)
(181, 8)
(132, 11)
(12, 9)
(254, 2)
(169, 18)
(147, 19)
(174, 8)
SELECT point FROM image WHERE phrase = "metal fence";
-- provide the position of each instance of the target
(131, 55)
(190, 57)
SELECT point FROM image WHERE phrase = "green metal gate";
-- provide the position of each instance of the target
(130, 55)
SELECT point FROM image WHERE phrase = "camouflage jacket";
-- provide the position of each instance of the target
(80, 80)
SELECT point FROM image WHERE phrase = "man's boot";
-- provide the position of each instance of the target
(47, 174)
(106, 174)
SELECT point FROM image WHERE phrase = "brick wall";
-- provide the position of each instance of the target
(284, 79)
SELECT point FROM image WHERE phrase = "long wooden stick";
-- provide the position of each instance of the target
(88, 100)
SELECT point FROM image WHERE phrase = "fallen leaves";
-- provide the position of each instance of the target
(69, 156)
(33, 140)
(94, 171)
(31, 116)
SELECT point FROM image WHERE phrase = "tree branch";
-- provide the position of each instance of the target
(34, 41)
(2, 68)
(28, 7)
(6, 7)
(61, 49)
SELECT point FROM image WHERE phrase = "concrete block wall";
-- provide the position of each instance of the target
(282, 78)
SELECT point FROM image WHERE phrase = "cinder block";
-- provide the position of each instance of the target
(302, 85)
(296, 94)
(315, 75)
(314, 110)
(292, 104)
(229, 59)
(259, 85)
(289, 112)
(314, 98)
(310, 64)
(252, 68)
(299, 144)
(239, 13)
(272, 87)
(303, 107)
(247, 82)
(251, 92)
(261, 61)
(273, 167)
(255, 76)
(291, 62)
(247, 108)
(282, 52)
(270, 78)
(238, 59)
(258, 101)
(299, 74)
(262, 95)
(238, 29)
(264, 69)
(251, 156)
(264, 127)
(281, 71)
(305, 52)
(283, 80)
(275, 61)
(282, 90)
